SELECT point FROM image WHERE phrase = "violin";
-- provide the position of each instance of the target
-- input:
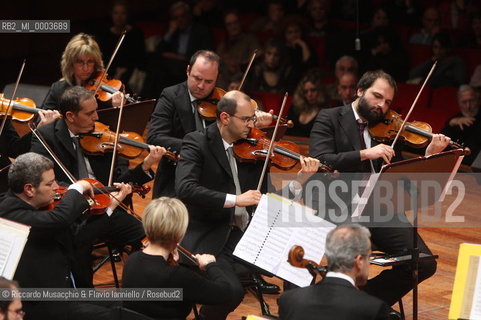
(102, 139)
(98, 203)
(285, 153)
(106, 88)
(207, 107)
(22, 109)
(415, 134)
(296, 259)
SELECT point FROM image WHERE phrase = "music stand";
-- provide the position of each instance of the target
(444, 165)
(135, 116)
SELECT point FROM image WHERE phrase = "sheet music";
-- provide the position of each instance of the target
(476, 302)
(270, 236)
(13, 237)
(362, 201)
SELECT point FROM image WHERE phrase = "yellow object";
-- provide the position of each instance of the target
(467, 273)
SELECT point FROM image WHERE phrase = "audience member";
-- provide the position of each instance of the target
(273, 20)
(131, 53)
(236, 49)
(450, 70)
(309, 99)
(274, 72)
(465, 126)
(298, 51)
(431, 26)
(169, 61)
(473, 38)
(386, 53)
(346, 89)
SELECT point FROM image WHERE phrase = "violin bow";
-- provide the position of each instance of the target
(271, 145)
(44, 143)
(247, 70)
(116, 140)
(186, 253)
(10, 104)
(121, 39)
(412, 106)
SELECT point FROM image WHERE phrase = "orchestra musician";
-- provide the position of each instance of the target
(348, 249)
(175, 114)
(340, 137)
(165, 222)
(48, 258)
(220, 191)
(79, 110)
(81, 62)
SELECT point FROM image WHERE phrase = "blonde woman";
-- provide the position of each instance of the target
(165, 222)
(81, 61)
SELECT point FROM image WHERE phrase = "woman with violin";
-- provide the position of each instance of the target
(165, 223)
(81, 65)
(48, 258)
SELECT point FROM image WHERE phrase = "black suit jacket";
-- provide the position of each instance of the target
(11, 145)
(58, 138)
(203, 178)
(335, 140)
(47, 259)
(171, 120)
(332, 298)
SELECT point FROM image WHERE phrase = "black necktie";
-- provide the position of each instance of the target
(199, 124)
(82, 167)
(361, 126)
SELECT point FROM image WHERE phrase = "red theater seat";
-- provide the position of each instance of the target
(406, 95)
(267, 101)
(444, 99)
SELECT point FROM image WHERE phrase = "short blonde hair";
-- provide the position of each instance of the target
(165, 220)
(80, 45)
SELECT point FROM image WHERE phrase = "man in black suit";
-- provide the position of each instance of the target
(340, 138)
(176, 114)
(337, 296)
(79, 109)
(219, 191)
(48, 257)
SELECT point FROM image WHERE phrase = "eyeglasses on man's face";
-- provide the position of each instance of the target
(246, 119)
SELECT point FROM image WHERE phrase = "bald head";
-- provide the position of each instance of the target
(229, 102)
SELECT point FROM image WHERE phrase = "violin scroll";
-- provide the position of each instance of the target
(296, 259)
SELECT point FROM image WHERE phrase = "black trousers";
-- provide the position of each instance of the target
(120, 229)
(397, 239)
(233, 269)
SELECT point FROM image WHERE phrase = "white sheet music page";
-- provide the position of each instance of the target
(277, 225)
(13, 237)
